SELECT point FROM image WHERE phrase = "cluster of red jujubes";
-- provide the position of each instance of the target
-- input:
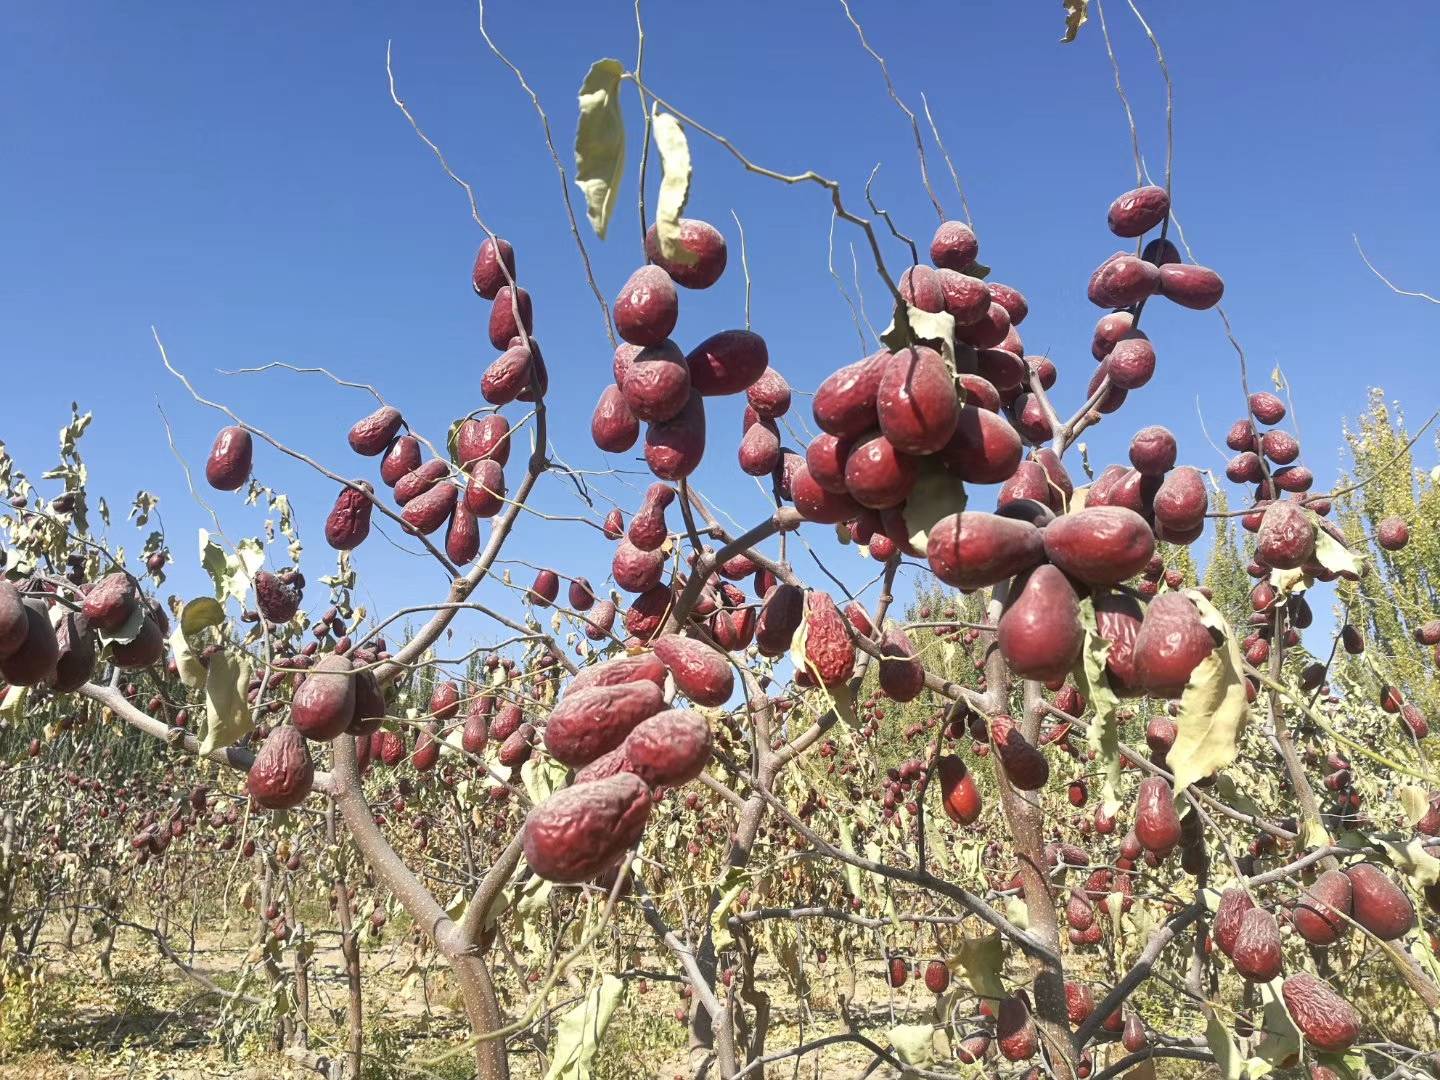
(655, 382)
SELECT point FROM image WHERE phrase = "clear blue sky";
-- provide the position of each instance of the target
(238, 177)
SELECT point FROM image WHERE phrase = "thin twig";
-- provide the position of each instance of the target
(1388, 283)
(909, 113)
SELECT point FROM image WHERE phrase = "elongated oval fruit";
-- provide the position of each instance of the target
(642, 667)
(1157, 825)
(277, 600)
(818, 505)
(1234, 903)
(984, 447)
(829, 652)
(1196, 287)
(420, 480)
(877, 475)
(487, 437)
(485, 489)
(657, 382)
(967, 299)
(503, 325)
(1256, 949)
(1015, 1033)
(647, 308)
(916, 402)
(1327, 1020)
(14, 623)
(1378, 904)
(1039, 632)
(674, 447)
(389, 747)
(462, 537)
(1024, 764)
(476, 732)
(578, 832)
(780, 616)
(282, 773)
(729, 362)
(648, 530)
(1286, 540)
(958, 793)
(324, 704)
(108, 606)
(147, 648)
(372, 434)
(701, 674)
(427, 512)
(545, 589)
(75, 662)
(902, 676)
(845, 403)
(488, 277)
(614, 428)
(427, 748)
(759, 451)
(704, 243)
(1320, 916)
(954, 246)
(665, 750)
(445, 700)
(1122, 280)
(1171, 644)
(1100, 545)
(348, 524)
(974, 550)
(369, 704)
(1118, 619)
(33, 662)
(588, 722)
(510, 374)
(769, 395)
(228, 467)
(1137, 212)
(635, 570)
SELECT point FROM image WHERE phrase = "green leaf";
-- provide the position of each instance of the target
(1282, 1037)
(129, 631)
(914, 1043)
(1414, 803)
(1090, 679)
(936, 495)
(578, 1034)
(12, 705)
(1077, 14)
(911, 326)
(1213, 710)
(195, 616)
(980, 960)
(600, 142)
(200, 613)
(1412, 860)
(1228, 1058)
(730, 889)
(1333, 555)
(674, 186)
(542, 776)
(227, 715)
(231, 574)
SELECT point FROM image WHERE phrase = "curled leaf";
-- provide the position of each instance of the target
(1213, 709)
(674, 187)
(600, 142)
